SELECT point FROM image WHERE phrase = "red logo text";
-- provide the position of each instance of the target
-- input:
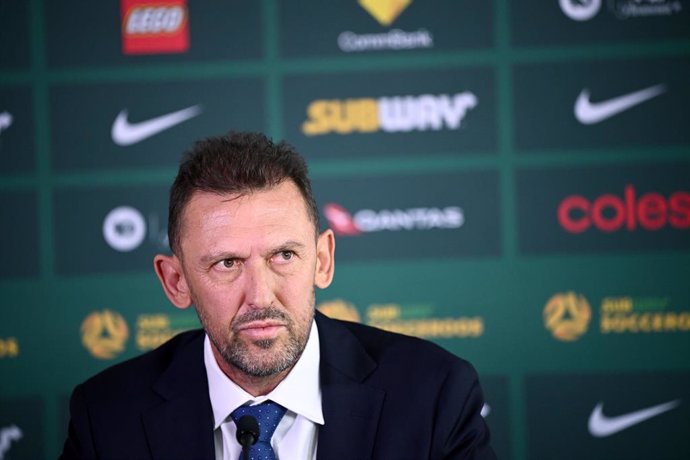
(610, 213)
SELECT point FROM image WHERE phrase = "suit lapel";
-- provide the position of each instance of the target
(351, 408)
(181, 426)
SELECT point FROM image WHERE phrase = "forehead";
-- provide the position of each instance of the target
(281, 205)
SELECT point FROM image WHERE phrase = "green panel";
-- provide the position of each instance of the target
(416, 116)
(348, 27)
(16, 130)
(82, 35)
(379, 113)
(145, 124)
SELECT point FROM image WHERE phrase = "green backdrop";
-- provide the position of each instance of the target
(508, 179)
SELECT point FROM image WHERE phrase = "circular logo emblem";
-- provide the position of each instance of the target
(567, 316)
(580, 10)
(339, 309)
(124, 228)
(104, 334)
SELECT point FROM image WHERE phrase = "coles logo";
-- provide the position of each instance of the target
(388, 114)
(367, 220)
(613, 212)
(154, 26)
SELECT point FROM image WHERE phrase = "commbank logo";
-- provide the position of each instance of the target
(8, 435)
(154, 26)
(610, 213)
(104, 334)
(567, 316)
(388, 114)
(385, 11)
(367, 220)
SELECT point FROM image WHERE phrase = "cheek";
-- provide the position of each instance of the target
(297, 297)
(218, 304)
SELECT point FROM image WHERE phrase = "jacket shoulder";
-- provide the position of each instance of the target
(133, 374)
(383, 346)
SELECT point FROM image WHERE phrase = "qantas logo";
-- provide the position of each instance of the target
(610, 213)
(367, 220)
(125, 133)
(590, 113)
(388, 114)
(602, 426)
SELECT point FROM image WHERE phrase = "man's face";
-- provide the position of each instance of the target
(250, 263)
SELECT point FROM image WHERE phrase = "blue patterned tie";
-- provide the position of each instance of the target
(268, 414)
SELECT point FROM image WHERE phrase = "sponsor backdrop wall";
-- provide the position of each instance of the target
(508, 179)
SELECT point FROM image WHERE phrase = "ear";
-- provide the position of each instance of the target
(325, 259)
(169, 271)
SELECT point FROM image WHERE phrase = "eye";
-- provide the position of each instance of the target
(227, 264)
(282, 257)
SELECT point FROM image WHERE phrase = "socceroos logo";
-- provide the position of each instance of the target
(567, 316)
(385, 11)
(388, 114)
(104, 334)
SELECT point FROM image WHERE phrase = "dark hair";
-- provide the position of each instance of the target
(237, 163)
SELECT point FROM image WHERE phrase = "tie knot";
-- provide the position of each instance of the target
(267, 414)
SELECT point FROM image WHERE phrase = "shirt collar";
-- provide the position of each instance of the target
(299, 391)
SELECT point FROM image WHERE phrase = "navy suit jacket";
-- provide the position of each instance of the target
(384, 396)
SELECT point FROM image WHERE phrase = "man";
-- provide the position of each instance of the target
(247, 253)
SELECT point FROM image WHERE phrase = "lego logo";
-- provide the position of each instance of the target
(155, 20)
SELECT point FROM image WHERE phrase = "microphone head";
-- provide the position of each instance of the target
(247, 430)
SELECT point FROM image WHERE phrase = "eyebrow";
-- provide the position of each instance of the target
(288, 245)
(222, 255)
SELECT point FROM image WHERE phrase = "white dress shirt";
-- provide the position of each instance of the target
(296, 436)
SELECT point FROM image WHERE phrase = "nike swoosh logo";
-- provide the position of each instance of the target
(589, 113)
(601, 426)
(125, 133)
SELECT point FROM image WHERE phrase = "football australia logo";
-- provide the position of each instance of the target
(104, 334)
(340, 309)
(154, 26)
(385, 11)
(567, 316)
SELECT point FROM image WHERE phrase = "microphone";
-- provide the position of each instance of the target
(247, 433)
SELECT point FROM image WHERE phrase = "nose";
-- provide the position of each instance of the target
(258, 286)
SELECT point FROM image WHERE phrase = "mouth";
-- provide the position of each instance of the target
(261, 330)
